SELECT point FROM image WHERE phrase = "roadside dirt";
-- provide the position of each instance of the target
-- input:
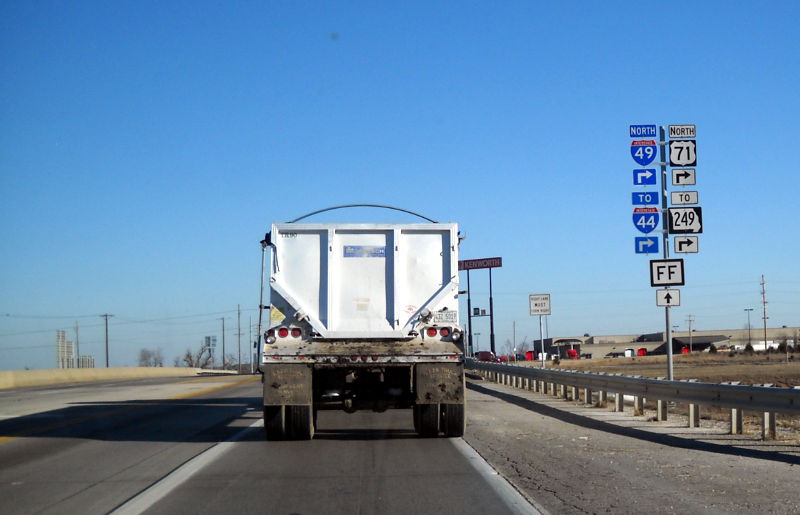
(573, 459)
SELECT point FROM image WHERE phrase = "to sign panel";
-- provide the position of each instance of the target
(666, 272)
(644, 198)
(685, 220)
(684, 177)
(684, 197)
(682, 153)
(540, 304)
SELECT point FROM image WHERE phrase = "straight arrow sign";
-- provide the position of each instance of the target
(668, 297)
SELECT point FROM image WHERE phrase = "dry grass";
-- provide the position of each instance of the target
(710, 368)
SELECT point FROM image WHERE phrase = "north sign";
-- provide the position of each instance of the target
(643, 131)
(685, 220)
(682, 132)
(666, 272)
(643, 151)
(644, 177)
(682, 153)
(645, 198)
(645, 219)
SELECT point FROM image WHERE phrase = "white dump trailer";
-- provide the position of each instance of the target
(362, 316)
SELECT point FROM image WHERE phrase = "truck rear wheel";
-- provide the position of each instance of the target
(300, 422)
(274, 419)
(453, 420)
(428, 417)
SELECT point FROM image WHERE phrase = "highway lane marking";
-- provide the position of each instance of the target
(8, 438)
(166, 485)
(515, 502)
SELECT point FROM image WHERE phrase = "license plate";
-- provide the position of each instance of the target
(445, 317)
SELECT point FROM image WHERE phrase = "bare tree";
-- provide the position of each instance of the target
(200, 359)
(151, 358)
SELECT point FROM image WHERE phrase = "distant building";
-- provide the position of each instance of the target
(65, 351)
(86, 362)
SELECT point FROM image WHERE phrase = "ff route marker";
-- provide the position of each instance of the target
(666, 272)
(668, 297)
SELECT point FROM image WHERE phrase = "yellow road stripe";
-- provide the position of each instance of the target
(123, 410)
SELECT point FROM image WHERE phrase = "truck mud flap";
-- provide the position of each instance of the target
(439, 383)
(286, 385)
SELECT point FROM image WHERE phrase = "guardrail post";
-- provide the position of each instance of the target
(587, 396)
(602, 399)
(661, 410)
(737, 427)
(619, 402)
(553, 390)
(638, 405)
(694, 415)
(562, 391)
(573, 393)
(768, 429)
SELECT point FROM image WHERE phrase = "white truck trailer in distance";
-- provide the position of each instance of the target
(362, 316)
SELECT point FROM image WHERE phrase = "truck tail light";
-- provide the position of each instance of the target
(296, 332)
(283, 332)
(431, 332)
(444, 332)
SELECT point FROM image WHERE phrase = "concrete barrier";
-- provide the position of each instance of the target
(26, 378)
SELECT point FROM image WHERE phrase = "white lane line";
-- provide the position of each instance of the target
(515, 501)
(157, 491)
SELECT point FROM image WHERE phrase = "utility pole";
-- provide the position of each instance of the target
(690, 319)
(77, 347)
(239, 336)
(250, 339)
(764, 303)
(223, 342)
(106, 316)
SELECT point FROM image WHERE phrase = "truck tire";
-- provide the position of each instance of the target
(428, 420)
(300, 422)
(274, 419)
(453, 420)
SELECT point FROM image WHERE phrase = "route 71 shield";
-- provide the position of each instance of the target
(645, 219)
(643, 151)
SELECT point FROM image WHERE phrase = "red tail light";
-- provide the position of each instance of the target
(431, 332)
(444, 332)
(283, 332)
(296, 332)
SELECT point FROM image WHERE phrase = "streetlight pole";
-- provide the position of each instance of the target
(106, 316)
(749, 339)
(223, 342)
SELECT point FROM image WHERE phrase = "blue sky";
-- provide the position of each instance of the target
(147, 146)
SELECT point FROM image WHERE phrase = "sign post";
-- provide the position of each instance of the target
(540, 305)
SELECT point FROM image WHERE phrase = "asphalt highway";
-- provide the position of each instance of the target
(196, 446)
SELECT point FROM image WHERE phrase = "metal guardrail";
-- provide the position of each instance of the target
(765, 399)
